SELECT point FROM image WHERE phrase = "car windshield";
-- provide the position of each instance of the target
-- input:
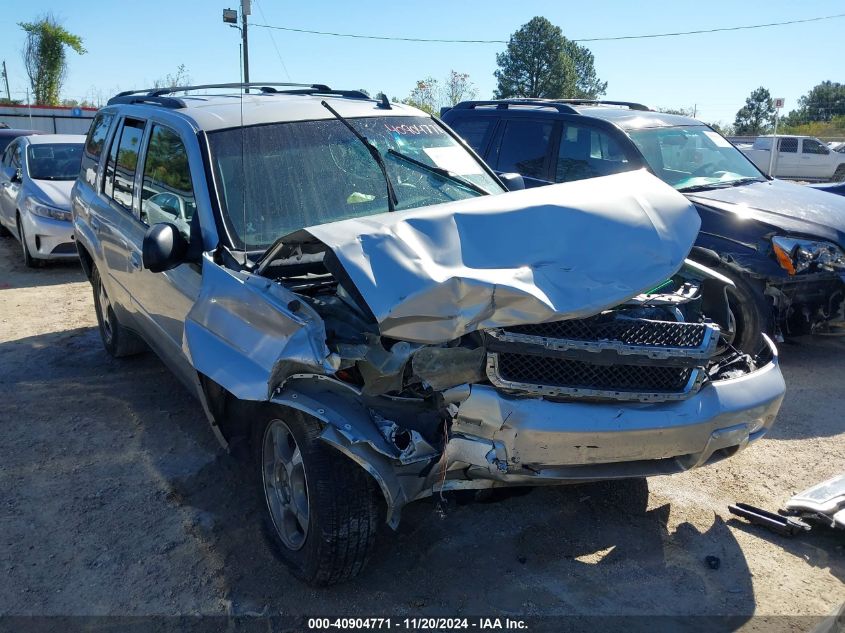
(54, 161)
(693, 157)
(275, 179)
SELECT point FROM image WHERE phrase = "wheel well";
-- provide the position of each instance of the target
(233, 417)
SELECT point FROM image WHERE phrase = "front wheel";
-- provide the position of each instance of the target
(839, 175)
(322, 510)
(28, 260)
(751, 312)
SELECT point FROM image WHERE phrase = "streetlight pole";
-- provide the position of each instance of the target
(245, 11)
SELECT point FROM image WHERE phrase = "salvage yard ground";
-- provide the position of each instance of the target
(118, 500)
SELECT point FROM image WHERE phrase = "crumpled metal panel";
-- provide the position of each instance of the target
(433, 274)
(243, 334)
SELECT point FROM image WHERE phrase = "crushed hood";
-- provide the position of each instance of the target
(433, 274)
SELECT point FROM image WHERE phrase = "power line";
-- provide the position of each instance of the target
(585, 39)
(273, 40)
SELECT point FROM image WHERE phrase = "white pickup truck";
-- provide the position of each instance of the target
(801, 157)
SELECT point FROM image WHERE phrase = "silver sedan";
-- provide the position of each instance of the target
(36, 176)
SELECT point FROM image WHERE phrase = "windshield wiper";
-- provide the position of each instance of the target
(392, 200)
(719, 185)
(439, 171)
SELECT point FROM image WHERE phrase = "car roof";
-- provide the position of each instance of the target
(223, 111)
(14, 133)
(42, 139)
(629, 119)
(626, 115)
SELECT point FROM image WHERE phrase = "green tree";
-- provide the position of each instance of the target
(457, 88)
(725, 129)
(824, 102)
(181, 78)
(44, 57)
(430, 94)
(587, 84)
(757, 116)
(425, 95)
(540, 62)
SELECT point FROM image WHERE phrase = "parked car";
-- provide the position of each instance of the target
(359, 298)
(36, 176)
(7, 135)
(798, 157)
(780, 243)
(837, 188)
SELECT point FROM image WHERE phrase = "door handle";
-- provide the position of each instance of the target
(135, 260)
(95, 224)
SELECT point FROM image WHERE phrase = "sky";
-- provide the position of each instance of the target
(131, 44)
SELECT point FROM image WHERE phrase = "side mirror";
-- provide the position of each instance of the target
(164, 248)
(17, 176)
(513, 182)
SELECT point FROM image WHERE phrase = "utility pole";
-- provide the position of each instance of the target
(245, 11)
(6, 79)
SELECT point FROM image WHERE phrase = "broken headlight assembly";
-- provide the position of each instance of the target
(801, 256)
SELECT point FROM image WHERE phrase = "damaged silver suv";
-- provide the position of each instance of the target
(336, 281)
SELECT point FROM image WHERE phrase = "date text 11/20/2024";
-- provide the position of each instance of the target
(417, 624)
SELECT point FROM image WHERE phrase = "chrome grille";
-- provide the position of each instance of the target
(610, 357)
(623, 330)
(562, 372)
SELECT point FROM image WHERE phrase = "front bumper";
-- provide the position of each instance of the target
(512, 440)
(47, 238)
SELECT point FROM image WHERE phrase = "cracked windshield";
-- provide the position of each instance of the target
(275, 179)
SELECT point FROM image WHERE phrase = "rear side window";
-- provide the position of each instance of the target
(94, 143)
(586, 152)
(524, 147)
(474, 131)
(789, 145)
(167, 194)
(122, 161)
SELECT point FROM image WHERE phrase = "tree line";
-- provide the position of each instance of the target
(820, 112)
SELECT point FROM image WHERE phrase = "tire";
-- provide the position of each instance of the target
(28, 260)
(751, 312)
(322, 510)
(4, 232)
(117, 340)
(839, 174)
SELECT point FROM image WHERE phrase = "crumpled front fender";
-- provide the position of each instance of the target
(350, 429)
(248, 334)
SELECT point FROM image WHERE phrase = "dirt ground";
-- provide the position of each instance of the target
(118, 500)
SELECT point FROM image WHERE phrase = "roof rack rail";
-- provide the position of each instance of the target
(158, 96)
(504, 104)
(631, 105)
